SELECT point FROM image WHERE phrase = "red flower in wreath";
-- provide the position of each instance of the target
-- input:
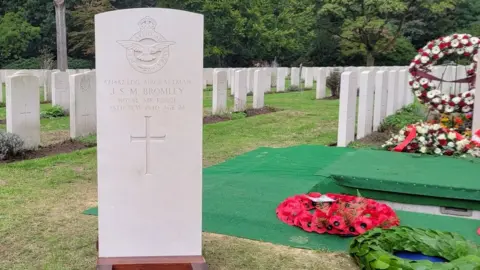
(348, 215)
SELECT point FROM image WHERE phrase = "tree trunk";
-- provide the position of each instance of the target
(62, 64)
(370, 59)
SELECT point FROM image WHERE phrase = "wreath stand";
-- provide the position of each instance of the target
(152, 263)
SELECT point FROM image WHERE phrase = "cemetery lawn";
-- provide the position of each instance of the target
(41, 201)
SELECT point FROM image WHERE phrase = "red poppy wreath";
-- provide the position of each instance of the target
(422, 82)
(345, 215)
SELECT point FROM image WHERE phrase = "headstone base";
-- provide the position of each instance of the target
(153, 263)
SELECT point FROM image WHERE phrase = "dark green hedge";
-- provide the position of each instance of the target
(34, 63)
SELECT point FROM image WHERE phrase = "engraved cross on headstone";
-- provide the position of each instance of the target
(25, 114)
(147, 138)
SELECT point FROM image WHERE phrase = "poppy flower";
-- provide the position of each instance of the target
(337, 222)
(362, 224)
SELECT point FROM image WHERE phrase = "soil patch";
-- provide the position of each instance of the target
(50, 150)
(45, 102)
(3, 121)
(211, 119)
(376, 139)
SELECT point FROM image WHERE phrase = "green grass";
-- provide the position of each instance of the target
(41, 225)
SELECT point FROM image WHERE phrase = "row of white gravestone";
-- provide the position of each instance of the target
(23, 104)
(381, 93)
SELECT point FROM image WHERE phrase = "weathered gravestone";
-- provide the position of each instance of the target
(60, 90)
(47, 86)
(259, 82)
(240, 97)
(83, 116)
(23, 108)
(281, 74)
(219, 101)
(308, 78)
(149, 69)
(295, 77)
(321, 91)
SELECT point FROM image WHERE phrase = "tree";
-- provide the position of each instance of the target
(371, 28)
(16, 35)
(82, 36)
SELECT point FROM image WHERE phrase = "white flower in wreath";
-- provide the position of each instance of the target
(469, 49)
(466, 109)
(424, 81)
(469, 100)
(421, 139)
(417, 56)
(418, 93)
(416, 85)
(441, 54)
(436, 127)
(423, 149)
(431, 84)
(474, 40)
(441, 137)
(412, 65)
(436, 100)
(402, 132)
(464, 41)
(460, 36)
(454, 44)
(447, 39)
(401, 138)
(450, 51)
(422, 130)
(436, 50)
(452, 136)
(451, 144)
(438, 151)
(430, 94)
(427, 50)
(449, 108)
(456, 100)
(460, 51)
(439, 108)
(446, 98)
(437, 92)
(424, 59)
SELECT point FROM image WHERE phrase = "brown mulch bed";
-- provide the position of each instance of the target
(3, 121)
(211, 119)
(54, 149)
(45, 102)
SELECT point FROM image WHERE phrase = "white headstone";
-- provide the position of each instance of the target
(149, 139)
(47, 86)
(381, 92)
(321, 83)
(273, 72)
(208, 75)
(61, 90)
(259, 82)
(240, 98)
(219, 101)
(267, 77)
(348, 107)
(402, 90)
(295, 77)
(250, 74)
(232, 81)
(365, 104)
(23, 108)
(392, 92)
(476, 105)
(83, 110)
(281, 74)
(309, 78)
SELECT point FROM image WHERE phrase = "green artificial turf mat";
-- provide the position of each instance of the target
(328, 185)
(444, 177)
(240, 197)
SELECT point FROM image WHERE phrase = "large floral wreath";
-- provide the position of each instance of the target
(346, 215)
(421, 82)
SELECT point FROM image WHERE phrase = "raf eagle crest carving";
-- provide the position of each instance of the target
(147, 51)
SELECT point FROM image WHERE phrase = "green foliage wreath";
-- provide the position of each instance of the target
(374, 249)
